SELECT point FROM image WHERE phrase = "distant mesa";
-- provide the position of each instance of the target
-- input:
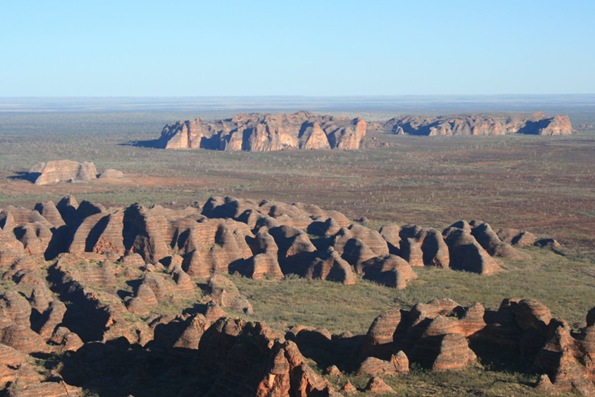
(57, 171)
(479, 124)
(257, 132)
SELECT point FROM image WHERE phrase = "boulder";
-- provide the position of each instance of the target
(532, 314)
(381, 332)
(548, 243)
(373, 366)
(377, 386)
(111, 173)
(454, 354)
(434, 250)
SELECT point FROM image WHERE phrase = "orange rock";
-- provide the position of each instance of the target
(376, 385)
(348, 388)
(373, 366)
(400, 361)
(266, 132)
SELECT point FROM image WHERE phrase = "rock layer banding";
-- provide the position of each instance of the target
(478, 124)
(135, 301)
(266, 132)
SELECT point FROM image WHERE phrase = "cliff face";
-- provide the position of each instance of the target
(557, 125)
(266, 132)
(535, 124)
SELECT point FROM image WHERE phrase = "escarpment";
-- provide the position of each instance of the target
(257, 132)
(479, 124)
(266, 132)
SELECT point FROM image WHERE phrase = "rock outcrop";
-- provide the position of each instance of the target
(111, 173)
(266, 132)
(140, 300)
(442, 335)
(257, 239)
(479, 124)
(468, 255)
(251, 361)
(56, 171)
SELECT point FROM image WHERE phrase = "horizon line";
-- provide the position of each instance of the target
(289, 96)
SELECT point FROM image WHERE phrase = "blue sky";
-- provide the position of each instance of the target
(313, 48)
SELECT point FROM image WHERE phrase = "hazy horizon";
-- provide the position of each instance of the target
(295, 102)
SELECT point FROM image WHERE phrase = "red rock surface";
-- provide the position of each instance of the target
(266, 132)
(141, 301)
(479, 124)
(377, 386)
(66, 171)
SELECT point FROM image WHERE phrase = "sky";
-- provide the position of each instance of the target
(296, 48)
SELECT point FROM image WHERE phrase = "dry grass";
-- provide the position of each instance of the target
(566, 286)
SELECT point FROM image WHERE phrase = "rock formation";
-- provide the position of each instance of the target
(258, 239)
(56, 171)
(140, 300)
(479, 124)
(65, 171)
(111, 173)
(266, 132)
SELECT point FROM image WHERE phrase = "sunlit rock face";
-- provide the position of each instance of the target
(266, 132)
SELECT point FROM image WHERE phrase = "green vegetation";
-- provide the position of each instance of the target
(566, 286)
(471, 382)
